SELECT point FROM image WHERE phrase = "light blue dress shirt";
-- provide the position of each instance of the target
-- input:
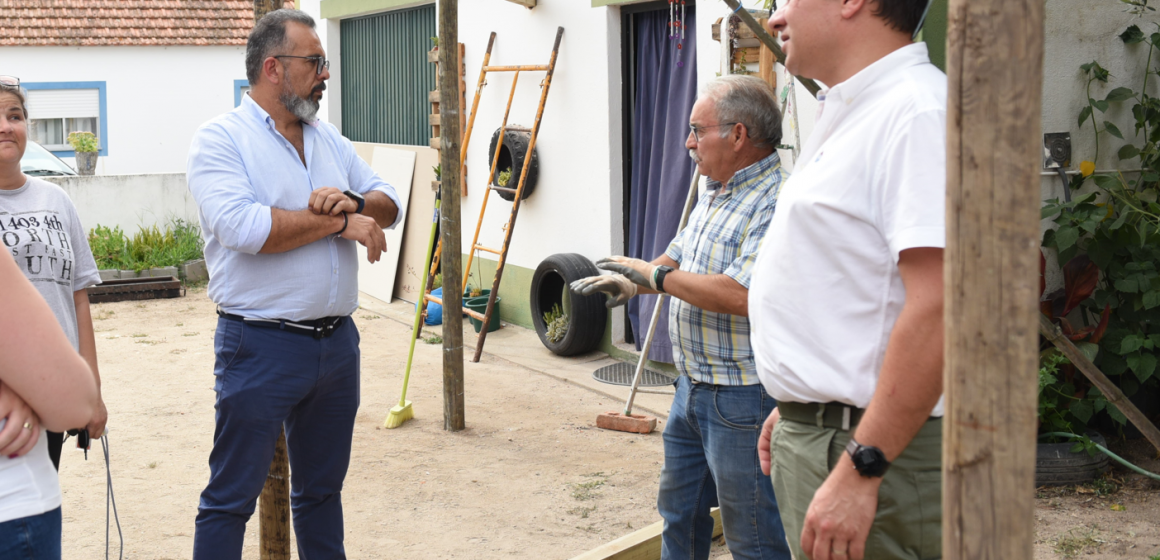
(239, 168)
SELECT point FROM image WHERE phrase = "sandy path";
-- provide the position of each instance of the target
(530, 477)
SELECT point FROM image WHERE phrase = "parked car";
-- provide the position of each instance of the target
(39, 162)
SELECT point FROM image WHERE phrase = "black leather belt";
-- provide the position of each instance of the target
(318, 328)
(839, 416)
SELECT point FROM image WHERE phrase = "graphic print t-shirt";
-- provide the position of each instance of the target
(39, 226)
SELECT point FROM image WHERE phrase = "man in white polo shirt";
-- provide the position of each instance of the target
(846, 301)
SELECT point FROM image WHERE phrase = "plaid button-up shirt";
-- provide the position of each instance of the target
(724, 233)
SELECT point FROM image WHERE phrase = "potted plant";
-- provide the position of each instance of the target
(85, 146)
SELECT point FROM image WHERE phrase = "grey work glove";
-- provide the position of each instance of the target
(640, 272)
(618, 288)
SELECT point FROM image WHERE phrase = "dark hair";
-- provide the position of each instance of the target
(902, 15)
(269, 38)
(19, 93)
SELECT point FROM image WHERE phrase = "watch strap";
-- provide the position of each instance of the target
(659, 277)
(362, 201)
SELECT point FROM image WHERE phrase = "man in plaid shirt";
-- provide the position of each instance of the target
(719, 407)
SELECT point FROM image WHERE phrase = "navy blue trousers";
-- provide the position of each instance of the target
(267, 379)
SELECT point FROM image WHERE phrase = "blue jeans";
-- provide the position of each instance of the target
(710, 459)
(267, 379)
(36, 537)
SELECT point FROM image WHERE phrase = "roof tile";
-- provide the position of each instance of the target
(126, 22)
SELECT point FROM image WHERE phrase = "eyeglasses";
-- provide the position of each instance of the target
(696, 130)
(320, 62)
(10, 81)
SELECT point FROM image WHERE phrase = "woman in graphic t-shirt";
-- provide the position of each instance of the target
(44, 241)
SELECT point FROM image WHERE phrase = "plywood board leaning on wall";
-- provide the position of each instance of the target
(408, 280)
(396, 167)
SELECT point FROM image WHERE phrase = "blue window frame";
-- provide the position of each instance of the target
(103, 123)
(239, 87)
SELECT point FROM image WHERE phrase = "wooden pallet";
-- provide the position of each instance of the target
(133, 289)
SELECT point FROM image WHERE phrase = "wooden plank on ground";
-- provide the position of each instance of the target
(644, 544)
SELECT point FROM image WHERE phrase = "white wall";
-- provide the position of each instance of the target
(157, 96)
(129, 201)
(579, 168)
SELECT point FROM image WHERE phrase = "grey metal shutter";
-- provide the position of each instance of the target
(386, 76)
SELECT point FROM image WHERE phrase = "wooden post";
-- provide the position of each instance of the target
(449, 223)
(274, 502)
(274, 507)
(995, 71)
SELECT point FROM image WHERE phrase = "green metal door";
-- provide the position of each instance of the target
(386, 76)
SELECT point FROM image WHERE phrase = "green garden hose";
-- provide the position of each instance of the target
(1118, 459)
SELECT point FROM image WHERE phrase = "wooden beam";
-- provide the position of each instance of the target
(994, 86)
(449, 223)
(1115, 396)
(768, 41)
(644, 544)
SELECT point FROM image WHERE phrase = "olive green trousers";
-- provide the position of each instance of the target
(908, 524)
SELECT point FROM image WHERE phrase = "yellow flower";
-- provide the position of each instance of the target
(1087, 168)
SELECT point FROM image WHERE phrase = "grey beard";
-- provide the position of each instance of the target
(693, 154)
(305, 109)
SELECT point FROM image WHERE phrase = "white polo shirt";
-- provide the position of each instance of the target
(870, 183)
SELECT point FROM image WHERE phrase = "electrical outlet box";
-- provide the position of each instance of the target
(1056, 150)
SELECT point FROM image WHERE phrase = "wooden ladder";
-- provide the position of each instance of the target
(509, 227)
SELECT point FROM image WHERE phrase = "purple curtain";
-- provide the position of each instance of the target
(666, 87)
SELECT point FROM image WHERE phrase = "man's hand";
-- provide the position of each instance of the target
(15, 439)
(96, 426)
(840, 515)
(763, 454)
(329, 200)
(367, 232)
(636, 270)
(618, 288)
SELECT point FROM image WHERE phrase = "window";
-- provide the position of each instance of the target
(56, 109)
(241, 87)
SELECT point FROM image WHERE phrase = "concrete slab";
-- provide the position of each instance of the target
(522, 347)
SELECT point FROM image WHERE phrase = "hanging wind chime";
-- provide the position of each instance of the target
(677, 27)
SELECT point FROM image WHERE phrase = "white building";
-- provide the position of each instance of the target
(141, 75)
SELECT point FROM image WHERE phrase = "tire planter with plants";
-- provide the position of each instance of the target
(1056, 464)
(511, 156)
(584, 316)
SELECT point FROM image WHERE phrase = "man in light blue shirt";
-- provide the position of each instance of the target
(283, 199)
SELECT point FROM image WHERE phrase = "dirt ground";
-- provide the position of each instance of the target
(530, 477)
(1117, 516)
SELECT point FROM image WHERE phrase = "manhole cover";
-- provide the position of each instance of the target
(621, 373)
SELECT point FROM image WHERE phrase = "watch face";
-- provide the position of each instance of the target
(869, 461)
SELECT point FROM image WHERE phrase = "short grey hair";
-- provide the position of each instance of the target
(268, 38)
(750, 101)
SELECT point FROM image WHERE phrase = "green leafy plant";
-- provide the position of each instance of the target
(557, 323)
(82, 141)
(1108, 243)
(435, 42)
(149, 248)
(438, 169)
(504, 177)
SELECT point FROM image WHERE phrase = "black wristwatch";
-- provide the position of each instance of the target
(362, 202)
(868, 461)
(659, 276)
